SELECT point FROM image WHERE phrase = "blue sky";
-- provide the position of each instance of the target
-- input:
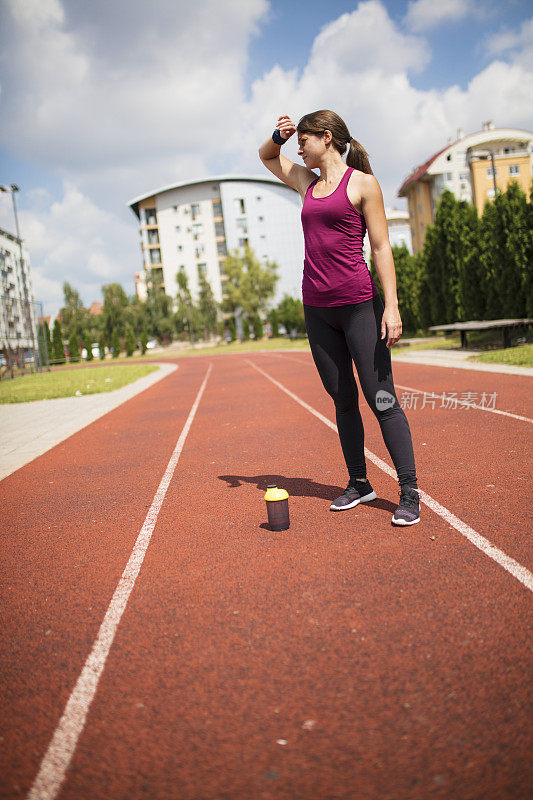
(104, 101)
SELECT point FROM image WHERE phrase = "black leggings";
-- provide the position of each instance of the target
(338, 334)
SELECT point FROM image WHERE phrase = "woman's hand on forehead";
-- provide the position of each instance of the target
(286, 126)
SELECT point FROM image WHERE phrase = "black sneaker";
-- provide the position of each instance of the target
(352, 495)
(408, 512)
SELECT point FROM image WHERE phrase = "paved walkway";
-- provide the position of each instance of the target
(457, 359)
(30, 429)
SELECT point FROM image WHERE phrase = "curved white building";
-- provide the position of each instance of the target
(191, 225)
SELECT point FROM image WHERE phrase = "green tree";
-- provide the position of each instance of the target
(207, 305)
(506, 243)
(187, 319)
(232, 329)
(88, 347)
(115, 305)
(129, 341)
(250, 285)
(290, 312)
(115, 343)
(73, 316)
(144, 341)
(274, 323)
(245, 329)
(41, 342)
(58, 348)
(48, 338)
(258, 327)
(73, 348)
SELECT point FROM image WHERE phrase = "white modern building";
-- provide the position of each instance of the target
(194, 225)
(17, 321)
(471, 167)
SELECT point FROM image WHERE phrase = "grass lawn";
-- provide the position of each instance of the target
(521, 356)
(67, 382)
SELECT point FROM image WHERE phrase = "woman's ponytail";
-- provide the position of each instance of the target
(357, 157)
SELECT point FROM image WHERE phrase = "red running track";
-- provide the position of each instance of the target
(344, 658)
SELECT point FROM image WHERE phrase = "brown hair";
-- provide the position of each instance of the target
(317, 122)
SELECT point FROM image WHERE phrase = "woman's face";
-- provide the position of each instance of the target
(311, 148)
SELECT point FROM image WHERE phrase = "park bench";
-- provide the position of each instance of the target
(480, 325)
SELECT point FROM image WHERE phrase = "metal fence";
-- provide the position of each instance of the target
(23, 345)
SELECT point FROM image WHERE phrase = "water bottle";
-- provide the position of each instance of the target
(277, 501)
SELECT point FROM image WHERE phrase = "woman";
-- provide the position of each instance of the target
(344, 315)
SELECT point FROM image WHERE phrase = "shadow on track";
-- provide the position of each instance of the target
(299, 487)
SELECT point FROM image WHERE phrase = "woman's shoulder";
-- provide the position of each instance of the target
(361, 186)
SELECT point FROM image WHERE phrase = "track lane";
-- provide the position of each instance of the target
(408, 655)
(64, 549)
(488, 487)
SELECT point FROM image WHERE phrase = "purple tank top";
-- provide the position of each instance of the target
(335, 272)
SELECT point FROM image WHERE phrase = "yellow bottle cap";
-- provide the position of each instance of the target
(273, 493)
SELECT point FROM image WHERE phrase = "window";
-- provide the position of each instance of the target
(258, 198)
(178, 228)
(490, 173)
(153, 237)
(199, 251)
(261, 219)
(242, 227)
(202, 268)
(238, 204)
(217, 208)
(195, 210)
(197, 230)
(174, 208)
(449, 157)
(449, 176)
(514, 169)
(219, 229)
(221, 267)
(490, 193)
(243, 242)
(155, 256)
(180, 248)
(150, 217)
(221, 249)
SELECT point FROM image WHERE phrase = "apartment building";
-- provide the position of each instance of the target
(471, 167)
(194, 225)
(17, 321)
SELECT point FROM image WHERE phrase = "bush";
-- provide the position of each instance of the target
(258, 327)
(74, 348)
(144, 341)
(101, 346)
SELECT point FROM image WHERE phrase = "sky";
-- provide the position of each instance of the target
(104, 101)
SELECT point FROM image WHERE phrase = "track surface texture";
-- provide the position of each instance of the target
(342, 659)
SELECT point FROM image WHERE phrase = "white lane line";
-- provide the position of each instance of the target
(65, 739)
(432, 395)
(518, 571)
(466, 403)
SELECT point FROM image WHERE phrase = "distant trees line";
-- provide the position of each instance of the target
(470, 268)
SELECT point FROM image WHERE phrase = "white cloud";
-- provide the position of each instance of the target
(423, 15)
(516, 44)
(74, 240)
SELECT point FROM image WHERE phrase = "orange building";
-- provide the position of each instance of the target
(465, 167)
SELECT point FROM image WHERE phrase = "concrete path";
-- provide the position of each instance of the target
(457, 359)
(28, 430)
